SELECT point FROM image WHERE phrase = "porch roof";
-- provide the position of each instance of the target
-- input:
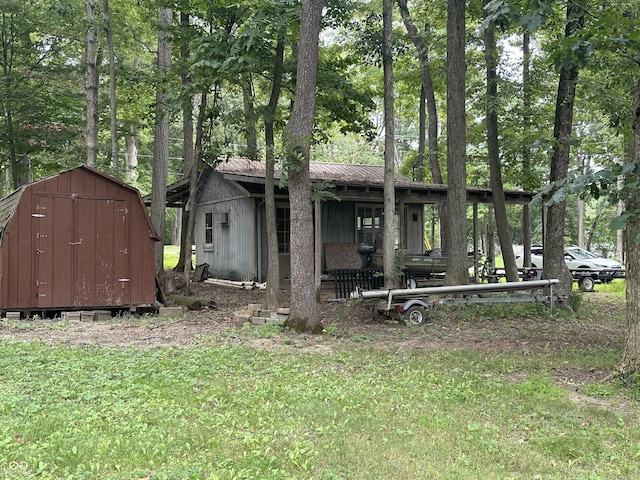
(347, 181)
(359, 182)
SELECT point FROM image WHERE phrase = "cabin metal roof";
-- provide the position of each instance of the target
(360, 182)
(347, 181)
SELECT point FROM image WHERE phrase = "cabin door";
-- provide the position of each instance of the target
(82, 252)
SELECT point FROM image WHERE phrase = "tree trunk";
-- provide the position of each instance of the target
(581, 204)
(161, 136)
(495, 170)
(297, 136)
(113, 114)
(630, 362)
(553, 257)
(273, 254)
(620, 233)
(526, 149)
(388, 243)
(457, 268)
(490, 240)
(193, 187)
(432, 115)
(131, 155)
(249, 116)
(91, 88)
(187, 149)
(13, 159)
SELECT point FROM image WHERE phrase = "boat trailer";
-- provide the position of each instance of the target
(413, 304)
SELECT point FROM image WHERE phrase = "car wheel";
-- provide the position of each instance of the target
(415, 315)
(587, 284)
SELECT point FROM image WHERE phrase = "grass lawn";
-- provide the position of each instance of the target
(254, 403)
(171, 256)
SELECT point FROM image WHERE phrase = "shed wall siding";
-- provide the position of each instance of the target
(113, 251)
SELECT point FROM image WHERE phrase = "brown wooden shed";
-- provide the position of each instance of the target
(80, 239)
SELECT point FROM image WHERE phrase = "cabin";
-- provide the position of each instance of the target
(76, 240)
(230, 233)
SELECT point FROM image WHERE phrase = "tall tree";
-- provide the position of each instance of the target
(161, 136)
(553, 257)
(273, 255)
(526, 148)
(388, 243)
(93, 59)
(493, 150)
(630, 362)
(297, 139)
(428, 100)
(113, 112)
(187, 145)
(457, 268)
(193, 185)
(251, 132)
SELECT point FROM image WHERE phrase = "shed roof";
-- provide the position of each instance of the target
(9, 203)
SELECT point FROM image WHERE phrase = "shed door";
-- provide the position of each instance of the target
(82, 252)
(101, 253)
(53, 228)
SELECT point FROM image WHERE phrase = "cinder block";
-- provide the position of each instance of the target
(86, 316)
(254, 308)
(13, 315)
(258, 320)
(170, 312)
(101, 315)
(71, 316)
(242, 318)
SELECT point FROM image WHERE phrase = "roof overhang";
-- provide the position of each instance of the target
(347, 190)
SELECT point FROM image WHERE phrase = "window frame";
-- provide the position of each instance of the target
(208, 230)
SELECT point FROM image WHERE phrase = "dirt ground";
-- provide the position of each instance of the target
(598, 325)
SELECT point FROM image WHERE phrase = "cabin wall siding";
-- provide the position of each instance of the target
(234, 243)
(240, 248)
(415, 228)
(338, 222)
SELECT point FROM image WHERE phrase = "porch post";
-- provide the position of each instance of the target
(476, 260)
(526, 235)
(318, 242)
(402, 219)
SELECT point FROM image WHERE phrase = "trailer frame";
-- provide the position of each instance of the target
(413, 303)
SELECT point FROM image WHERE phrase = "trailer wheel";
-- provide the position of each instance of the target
(411, 283)
(587, 284)
(415, 315)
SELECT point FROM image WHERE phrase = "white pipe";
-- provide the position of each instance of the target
(471, 288)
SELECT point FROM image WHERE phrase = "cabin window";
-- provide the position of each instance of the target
(370, 225)
(283, 225)
(208, 230)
